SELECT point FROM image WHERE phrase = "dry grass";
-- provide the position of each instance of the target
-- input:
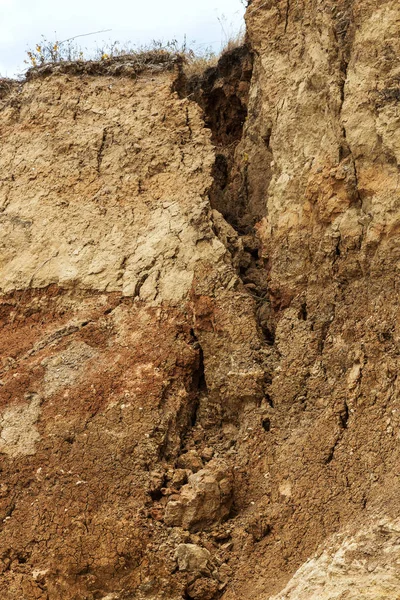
(55, 52)
(234, 41)
(197, 63)
(114, 58)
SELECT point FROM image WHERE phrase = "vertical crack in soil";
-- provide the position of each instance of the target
(185, 419)
(199, 384)
(223, 93)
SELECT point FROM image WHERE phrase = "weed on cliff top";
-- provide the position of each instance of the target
(116, 58)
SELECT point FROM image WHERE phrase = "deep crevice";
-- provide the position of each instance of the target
(344, 38)
(266, 424)
(269, 400)
(287, 14)
(223, 94)
(199, 385)
(344, 416)
(303, 312)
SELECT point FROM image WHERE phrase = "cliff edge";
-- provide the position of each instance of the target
(199, 319)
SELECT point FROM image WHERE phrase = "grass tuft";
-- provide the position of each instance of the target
(123, 59)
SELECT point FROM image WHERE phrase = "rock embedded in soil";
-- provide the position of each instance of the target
(192, 558)
(204, 501)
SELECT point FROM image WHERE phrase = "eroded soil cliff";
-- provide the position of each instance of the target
(199, 319)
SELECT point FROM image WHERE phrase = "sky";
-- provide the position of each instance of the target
(205, 23)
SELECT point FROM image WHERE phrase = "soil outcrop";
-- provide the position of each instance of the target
(199, 319)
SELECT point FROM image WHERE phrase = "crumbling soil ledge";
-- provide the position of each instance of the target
(199, 394)
(129, 65)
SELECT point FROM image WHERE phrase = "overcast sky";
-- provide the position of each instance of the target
(22, 23)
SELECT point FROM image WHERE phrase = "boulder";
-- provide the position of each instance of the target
(205, 500)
